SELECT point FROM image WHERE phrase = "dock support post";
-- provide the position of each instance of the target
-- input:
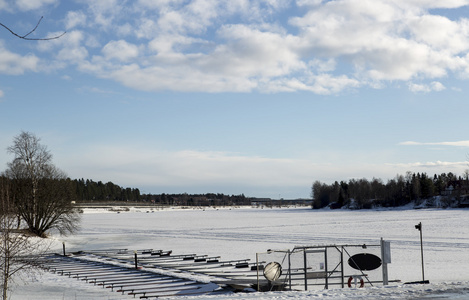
(135, 255)
(305, 269)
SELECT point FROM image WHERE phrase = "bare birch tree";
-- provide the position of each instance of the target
(16, 246)
(42, 194)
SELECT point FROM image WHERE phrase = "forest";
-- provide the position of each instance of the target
(355, 193)
(92, 191)
(401, 190)
(209, 199)
(89, 190)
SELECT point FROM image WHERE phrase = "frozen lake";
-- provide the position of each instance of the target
(241, 233)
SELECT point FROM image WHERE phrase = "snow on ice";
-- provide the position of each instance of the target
(239, 233)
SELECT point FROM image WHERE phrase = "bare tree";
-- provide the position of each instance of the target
(16, 246)
(42, 194)
(26, 36)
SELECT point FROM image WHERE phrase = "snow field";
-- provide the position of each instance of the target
(241, 233)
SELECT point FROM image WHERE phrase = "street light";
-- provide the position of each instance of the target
(419, 228)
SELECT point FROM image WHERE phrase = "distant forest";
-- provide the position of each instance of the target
(401, 190)
(91, 191)
(355, 193)
(209, 199)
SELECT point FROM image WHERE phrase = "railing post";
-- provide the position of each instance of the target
(136, 260)
(306, 269)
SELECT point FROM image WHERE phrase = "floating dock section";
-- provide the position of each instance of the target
(152, 273)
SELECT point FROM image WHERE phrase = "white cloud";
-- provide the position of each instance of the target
(166, 44)
(73, 54)
(72, 49)
(242, 46)
(71, 39)
(308, 2)
(456, 144)
(428, 4)
(325, 84)
(106, 14)
(181, 77)
(440, 32)
(251, 52)
(26, 5)
(425, 88)
(15, 64)
(323, 66)
(374, 37)
(197, 16)
(435, 164)
(189, 168)
(151, 4)
(4, 5)
(251, 59)
(159, 170)
(120, 50)
(437, 86)
(1, 94)
(194, 17)
(414, 87)
(74, 19)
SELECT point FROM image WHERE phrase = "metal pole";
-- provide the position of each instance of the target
(421, 252)
(289, 268)
(306, 269)
(342, 266)
(135, 254)
(419, 227)
(257, 267)
(325, 268)
(63, 245)
(384, 259)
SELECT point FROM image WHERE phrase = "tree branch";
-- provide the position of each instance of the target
(25, 37)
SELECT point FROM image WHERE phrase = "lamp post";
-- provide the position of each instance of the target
(419, 227)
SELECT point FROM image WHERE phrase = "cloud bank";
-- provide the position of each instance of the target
(324, 47)
(456, 143)
(159, 171)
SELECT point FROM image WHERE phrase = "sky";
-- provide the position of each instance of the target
(259, 97)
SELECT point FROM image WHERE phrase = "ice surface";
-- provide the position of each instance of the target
(241, 233)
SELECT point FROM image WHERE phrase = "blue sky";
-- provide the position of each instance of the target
(257, 97)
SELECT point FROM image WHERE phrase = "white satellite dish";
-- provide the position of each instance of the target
(272, 271)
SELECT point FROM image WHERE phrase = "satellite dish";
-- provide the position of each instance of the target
(364, 261)
(272, 271)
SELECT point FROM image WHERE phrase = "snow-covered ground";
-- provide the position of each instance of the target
(241, 233)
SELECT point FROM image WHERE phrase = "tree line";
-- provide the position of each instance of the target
(89, 190)
(401, 190)
(209, 199)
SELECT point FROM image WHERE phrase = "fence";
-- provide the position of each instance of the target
(306, 267)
